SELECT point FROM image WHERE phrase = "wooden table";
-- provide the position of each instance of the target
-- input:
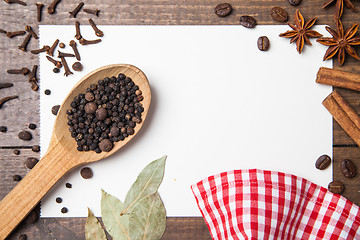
(17, 114)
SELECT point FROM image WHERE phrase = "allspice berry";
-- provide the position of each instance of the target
(31, 162)
(114, 131)
(35, 148)
(55, 109)
(90, 108)
(106, 145)
(86, 173)
(101, 113)
(25, 135)
(77, 66)
(89, 96)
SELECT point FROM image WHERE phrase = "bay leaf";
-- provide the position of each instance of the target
(148, 219)
(116, 224)
(93, 228)
(146, 184)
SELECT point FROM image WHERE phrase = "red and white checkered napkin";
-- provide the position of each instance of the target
(257, 204)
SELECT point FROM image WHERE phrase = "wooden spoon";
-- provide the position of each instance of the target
(62, 154)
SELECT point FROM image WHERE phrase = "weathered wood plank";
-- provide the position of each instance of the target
(352, 186)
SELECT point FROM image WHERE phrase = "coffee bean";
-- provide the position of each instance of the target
(77, 66)
(32, 126)
(25, 135)
(336, 187)
(22, 237)
(35, 148)
(106, 145)
(58, 200)
(86, 173)
(16, 152)
(248, 21)
(279, 14)
(263, 43)
(68, 185)
(55, 109)
(348, 168)
(64, 210)
(323, 162)
(47, 92)
(16, 178)
(56, 70)
(223, 9)
(101, 113)
(32, 217)
(3, 129)
(31, 162)
(294, 2)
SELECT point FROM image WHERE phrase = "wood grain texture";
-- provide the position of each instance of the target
(18, 113)
(62, 156)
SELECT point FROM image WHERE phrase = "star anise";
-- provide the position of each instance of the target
(339, 7)
(301, 31)
(341, 42)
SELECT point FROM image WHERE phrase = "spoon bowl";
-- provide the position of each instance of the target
(62, 154)
(61, 133)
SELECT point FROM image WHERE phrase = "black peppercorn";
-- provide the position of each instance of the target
(64, 210)
(16, 178)
(3, 129)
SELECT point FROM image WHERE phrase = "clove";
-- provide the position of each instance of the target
(26, 41)
(34, 86)
(76, 10)
(76, 52)
(24, 71)
(40, 50)
(52, 48)
(56, 63)
(5, 99)
(66, 67)
(39, 7)
(3, 31)
(98, 32)
(32, 76)
(62, 54)
(77, 28)
(52, 6)
(31, 31)
(87, 42)
(6, 85)
(14, 34)
(92, 11)
(16, 1)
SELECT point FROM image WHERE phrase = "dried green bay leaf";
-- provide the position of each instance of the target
(115, 224)
(93, 228)
(146, 184)
(148, 219)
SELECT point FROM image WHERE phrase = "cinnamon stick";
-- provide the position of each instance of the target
(338, 78)
(344, 115)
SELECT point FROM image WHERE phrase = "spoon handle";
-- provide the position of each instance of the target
(29, 191)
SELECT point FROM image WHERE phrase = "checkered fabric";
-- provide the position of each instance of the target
(257, 204)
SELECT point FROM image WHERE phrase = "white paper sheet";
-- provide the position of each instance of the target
(218, 104)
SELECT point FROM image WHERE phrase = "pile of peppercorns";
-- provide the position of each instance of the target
(108, 112)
